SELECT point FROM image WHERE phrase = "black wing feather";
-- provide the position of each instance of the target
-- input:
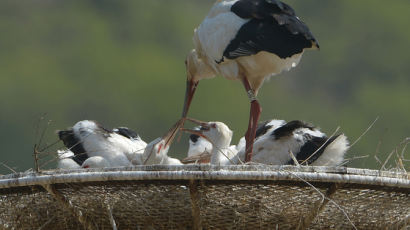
(74, 145)
(288, 128)
(262, 128)
(273, 27)
(311, 146)
(126, 132)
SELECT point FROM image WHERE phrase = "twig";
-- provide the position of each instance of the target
(112, 220)
(35, 154)
(46, 223)
(379, 145)
(406, 141)
(8, 167)
(378, 160)
(317, 150)
(367, 130)
(43, 133)
(49, 146)
(324, 197)
(293, 158)
(387, 160)
(348, 160)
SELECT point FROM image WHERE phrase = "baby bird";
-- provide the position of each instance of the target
(156, 154)
(199, 151)
(90, 139)
(220, 136)
(198, 144)
(276, 141)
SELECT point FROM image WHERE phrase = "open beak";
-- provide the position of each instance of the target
(204, 127)
(203, 124)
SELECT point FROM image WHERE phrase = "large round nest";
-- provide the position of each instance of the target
(206, 197)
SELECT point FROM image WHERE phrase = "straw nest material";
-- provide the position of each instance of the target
(206, 197)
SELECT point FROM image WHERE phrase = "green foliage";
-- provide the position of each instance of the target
(122, 63)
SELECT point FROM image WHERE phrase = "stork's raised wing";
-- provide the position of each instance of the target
(273, 27)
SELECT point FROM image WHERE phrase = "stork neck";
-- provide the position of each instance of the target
(220, 156)
(220, 152)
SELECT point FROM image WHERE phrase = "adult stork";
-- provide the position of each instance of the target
(249, 41)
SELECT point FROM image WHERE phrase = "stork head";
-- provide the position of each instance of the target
(216, 132)
(197, 68)
(155, 151)
(83, 129)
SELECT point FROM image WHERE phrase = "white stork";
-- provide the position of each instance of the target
(89, 139)
(198, 144)
(276, 140)
(156, 153)
(249, 41)
(220, 136)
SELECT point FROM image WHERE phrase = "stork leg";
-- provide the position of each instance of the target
(254, 115)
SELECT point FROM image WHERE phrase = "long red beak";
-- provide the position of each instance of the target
(189, 94)
(198, 122)
(171, 134)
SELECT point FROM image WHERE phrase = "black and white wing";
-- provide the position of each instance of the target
(272, 27)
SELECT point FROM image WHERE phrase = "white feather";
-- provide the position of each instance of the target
(212, 37)
(156, 154)
(65, 161)
(334, 153)
(269, 150)
(97, 142)
(199, 147)
(220, 136)
(96, 162)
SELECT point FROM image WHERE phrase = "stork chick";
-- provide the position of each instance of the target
(156, 154)
(220, 136)
(309, 145)
(89, 139)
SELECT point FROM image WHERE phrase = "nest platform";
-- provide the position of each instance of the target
(206, 197)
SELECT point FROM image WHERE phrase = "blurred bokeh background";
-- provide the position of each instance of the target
(122, 63)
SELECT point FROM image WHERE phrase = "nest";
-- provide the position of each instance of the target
(206, 197)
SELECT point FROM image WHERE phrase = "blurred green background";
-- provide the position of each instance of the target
(122, 63)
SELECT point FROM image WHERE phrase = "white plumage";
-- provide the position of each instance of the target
(248, 41)
(100, 142)
(198, 145)
(96, 162)
(133, 147)
(213, 36)
(156, 154)
(306, 143)
(65, 160)
(220, 136)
